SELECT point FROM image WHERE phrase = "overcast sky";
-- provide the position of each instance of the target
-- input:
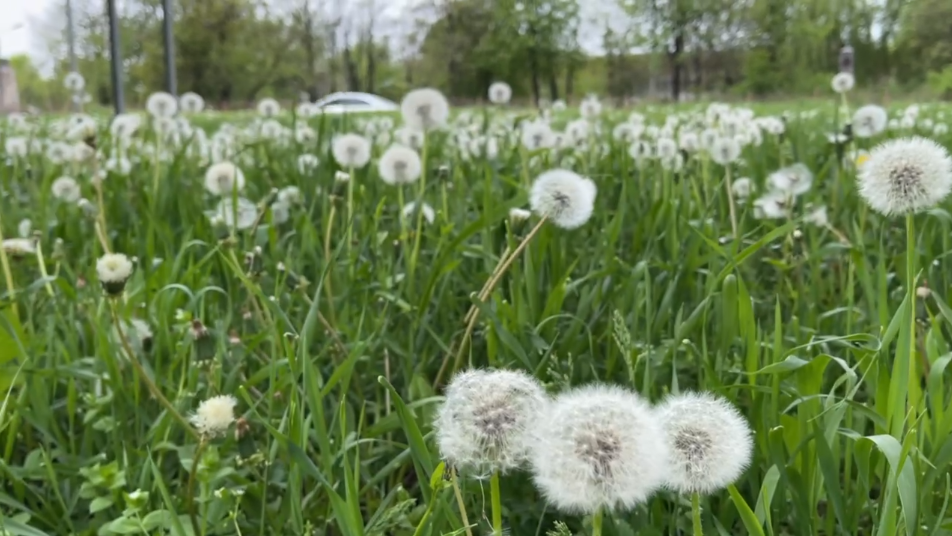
(22, 24)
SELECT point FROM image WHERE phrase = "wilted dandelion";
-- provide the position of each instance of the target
(214, 416)
(598, 447)
(425, 109)
(563, 197)
(307, 163)
(19, 247)
(905, 176)
(793, 180)
(399, 165)
(113, 270)
(519, 214)
(224, 178)
(351, 150)
(709, 441)
(772, 206)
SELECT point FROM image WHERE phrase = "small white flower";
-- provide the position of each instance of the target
(519, 214)
(905, 176)
(500, 93)
(410, 210)
(341, 176)
(66, 189)
(399, 165)
(351, 150)
(307, 163)
(598, 447)
(563, 197)
(843, 82)
(709, 441)
(224, 178)
(214, 415)
(424, 109)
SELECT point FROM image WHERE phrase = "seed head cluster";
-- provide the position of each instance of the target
(905, 176)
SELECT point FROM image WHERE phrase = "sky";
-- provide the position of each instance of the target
(23, 39)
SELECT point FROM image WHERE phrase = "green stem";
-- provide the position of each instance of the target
(350, 220)
(696, 513)
(497, 504)
(190, 491)
(7, 274)
(911, 320)
(597, 522)
(461, 504)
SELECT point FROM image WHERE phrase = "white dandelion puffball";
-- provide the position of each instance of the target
(519, 214)
(214, 415)
(818, 217)
(125, 125)
(536, 135)
(425, 109)
(268, 107)
(772, 206)
(351, 150)
(667, 148)
(17, 147)
(410, 210)
(709, 441)
(742, 188)
(689, 141)
(500, 93)
(590, 108)
(247, 213)
(598, 447)
(562, 196)
(869, 121)
(843, 82)
(793, 180)
(191, 103)
(306, 163)
(484, 422)
(906, 175)
(399, 165)
(725, 150)
(280, 212)
(66, 189)
(290, 195)
(74, 82)
(113, 270)
(224, 178)
(161, 104)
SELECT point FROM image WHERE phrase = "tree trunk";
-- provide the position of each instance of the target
(675, 57)
(553, 86)
(534, 73)
(371, 66)
(353, 77)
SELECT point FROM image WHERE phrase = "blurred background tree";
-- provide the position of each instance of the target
(234, 52)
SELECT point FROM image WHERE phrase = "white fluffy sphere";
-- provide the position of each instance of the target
(598, 447)
(500, 93)
(906, 175)
(425, 109)
(399, 165)
(351, 150)
(709, 441)
(564, 197)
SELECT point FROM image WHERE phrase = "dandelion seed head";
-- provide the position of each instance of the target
(268, 107)
(351, 150)
(425, 109)
(725, 150)
(483, 424)
(66, 189)
(843, 82)
(399, 165)
(74, 82)
(410, 209)
(224, 178)
(709, 441)
(564, 197)
(500, 93)
(214, 416)
(536, 135)
(161, 104)
(905, 176)
(869, 121)
(191, 103)
(794, 180)
(598, 447)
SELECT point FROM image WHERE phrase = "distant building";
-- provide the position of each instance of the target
(9, 94)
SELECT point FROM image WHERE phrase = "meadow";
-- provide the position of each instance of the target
(236, 327)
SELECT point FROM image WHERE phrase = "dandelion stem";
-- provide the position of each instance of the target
(490, 285)
(144, 376)
(730, 202)
(696, 514)
(461, 504)
(190, 491)
(911, 320)
(597, 522)
(496, 503)
(7, 274)
(328, 258)
(42, 265)
(350, 220)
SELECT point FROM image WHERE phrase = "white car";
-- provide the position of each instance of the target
(352, 102)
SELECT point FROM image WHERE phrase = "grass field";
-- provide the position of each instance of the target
(336, 319)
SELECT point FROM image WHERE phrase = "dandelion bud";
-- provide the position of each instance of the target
(797, 234)
(709, 441)
(341, 176)
(923, 292)
(214, 415)
(483, 423)
(598, 447)
(519, 214)
(113, 269)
